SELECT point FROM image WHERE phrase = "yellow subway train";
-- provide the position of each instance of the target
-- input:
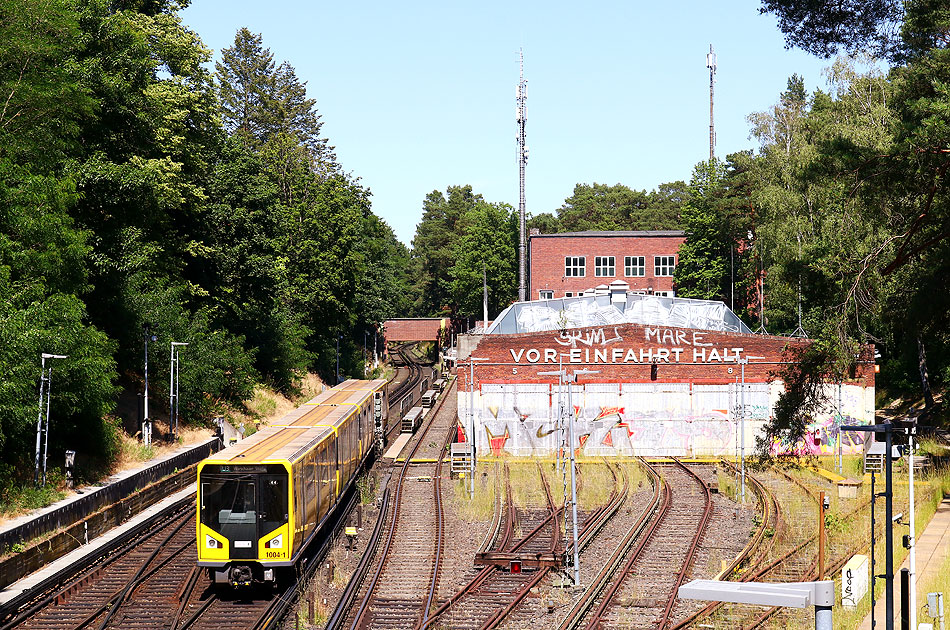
(262, 500)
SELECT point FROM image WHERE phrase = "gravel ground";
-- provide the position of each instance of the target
(727, 535)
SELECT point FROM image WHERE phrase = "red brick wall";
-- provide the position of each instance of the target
(548, 251)
(625, 353)
(420, 329)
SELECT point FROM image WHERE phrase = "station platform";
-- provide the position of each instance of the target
(932, 548)
(82, 495)
(396, 447)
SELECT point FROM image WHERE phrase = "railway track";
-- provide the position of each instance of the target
(785, 554)
(152, 583)
(403, 395)
(149, 583)
(492, 594)
(398, 587)
(642, 593)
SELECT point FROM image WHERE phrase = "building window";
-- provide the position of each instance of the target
(604, 266)
(634, 266)
(575, 266)
(663, 265)
(568, 294)
(546, 295)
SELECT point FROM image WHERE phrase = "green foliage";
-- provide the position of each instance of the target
(18, 498)
(486, 243)
(433, 249)
(259, 101)
(715, 260)
(602, 208)
(124, 201)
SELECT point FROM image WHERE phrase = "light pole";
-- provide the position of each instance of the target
(173, 386)
(571, 377)
(42, 420)
(146, 422)
(887, 430)
(338, 337)
(743, 363)
(912, 540)
(471, 412)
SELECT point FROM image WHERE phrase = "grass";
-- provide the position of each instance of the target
(19, 499)
(482, 506)
(929, 490)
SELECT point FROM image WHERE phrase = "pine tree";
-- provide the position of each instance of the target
(246, 86)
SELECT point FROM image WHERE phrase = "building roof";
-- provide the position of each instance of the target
(615, 308)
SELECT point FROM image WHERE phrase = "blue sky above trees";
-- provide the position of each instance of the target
(420, 97)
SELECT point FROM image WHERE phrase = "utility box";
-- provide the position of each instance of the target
(848, 488)
(854, 581)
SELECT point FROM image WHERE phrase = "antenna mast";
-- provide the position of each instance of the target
(522, 99)
(711, 64)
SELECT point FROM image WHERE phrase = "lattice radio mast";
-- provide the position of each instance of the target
(522, 100)
(711, 64)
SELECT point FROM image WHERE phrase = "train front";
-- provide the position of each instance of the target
(243, 521)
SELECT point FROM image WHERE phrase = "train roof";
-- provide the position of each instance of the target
(273, 444)
(288, 438)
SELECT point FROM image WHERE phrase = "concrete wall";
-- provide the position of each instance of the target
(652, 390)
(646, 418)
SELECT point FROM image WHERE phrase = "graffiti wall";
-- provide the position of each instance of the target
(680, 419)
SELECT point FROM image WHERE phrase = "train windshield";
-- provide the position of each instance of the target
(229, 501)
(244, 506)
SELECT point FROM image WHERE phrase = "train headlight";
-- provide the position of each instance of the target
(212, 543)
(275, 543)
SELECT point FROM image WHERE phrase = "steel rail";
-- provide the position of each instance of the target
(600, 582)
(359, 619)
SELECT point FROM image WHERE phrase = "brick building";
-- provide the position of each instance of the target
(658, 376)
(568, 264)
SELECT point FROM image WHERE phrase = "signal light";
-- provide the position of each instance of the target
(275, 543)
(515, 566)
(212, 543)
(654, 369)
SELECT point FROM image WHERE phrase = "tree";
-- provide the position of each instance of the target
(486, 244)
(433, 248)
(715, 259)
(823, 28)
(260, 102)
(605, 208)
(246, 87)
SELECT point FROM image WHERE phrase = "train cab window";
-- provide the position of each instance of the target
(228, 501)
(273, 502)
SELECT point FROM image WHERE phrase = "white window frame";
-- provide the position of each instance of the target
(545, 294)
(662, 265)
(605, 266)
(575, 266)
(630, 270)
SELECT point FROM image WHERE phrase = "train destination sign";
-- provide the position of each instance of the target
(607, 346)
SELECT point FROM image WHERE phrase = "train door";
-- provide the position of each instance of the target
(229, 507)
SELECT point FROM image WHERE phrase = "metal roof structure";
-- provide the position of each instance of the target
(615, 307)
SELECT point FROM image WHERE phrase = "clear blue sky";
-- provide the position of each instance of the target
(420, 96)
